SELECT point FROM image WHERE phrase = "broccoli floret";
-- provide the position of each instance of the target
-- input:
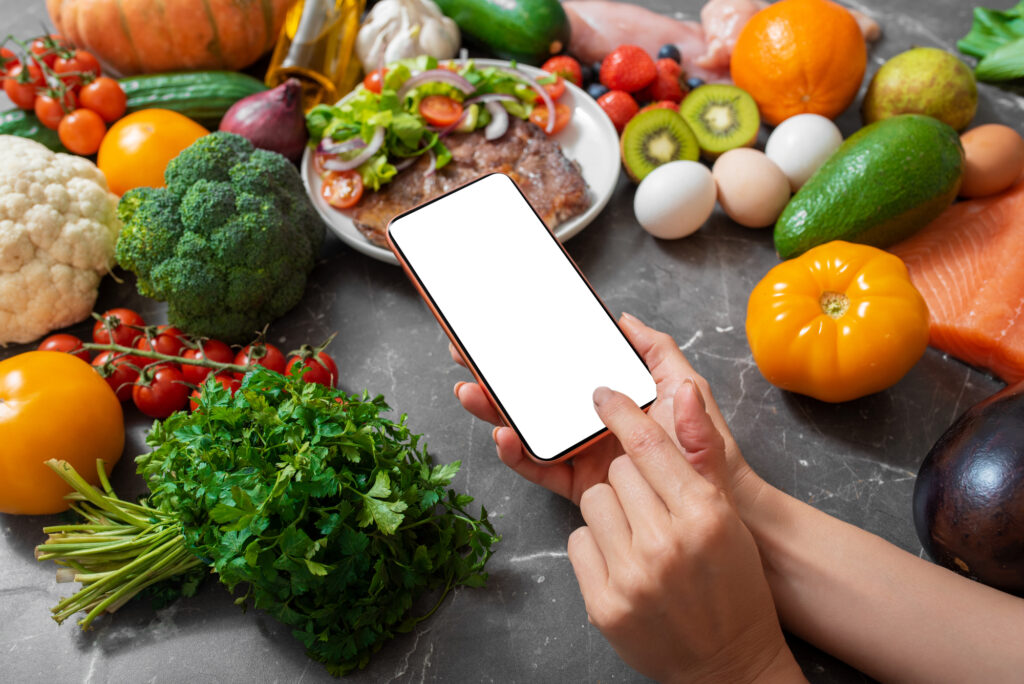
(228, 243)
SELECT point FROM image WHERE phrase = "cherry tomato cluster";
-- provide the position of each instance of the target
(158, 387)
(65, 88)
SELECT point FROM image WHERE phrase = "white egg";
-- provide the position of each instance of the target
(675, 199)
(801, 144)
(752, 189)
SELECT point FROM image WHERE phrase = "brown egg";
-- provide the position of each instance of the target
(993, 159)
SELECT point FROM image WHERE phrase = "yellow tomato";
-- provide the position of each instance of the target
(839, 322)
(53, 405)
(136, 149)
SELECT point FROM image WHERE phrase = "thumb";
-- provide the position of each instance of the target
(703, 445)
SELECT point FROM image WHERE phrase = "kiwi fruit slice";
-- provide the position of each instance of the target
(653, 138)
(722, 117)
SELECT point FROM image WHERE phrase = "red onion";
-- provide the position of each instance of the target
(434, 76)
(328, 146)
(548, 102)
(375, 144)
(491, 97)
(433, 163)
(272, 120)
(499, 120)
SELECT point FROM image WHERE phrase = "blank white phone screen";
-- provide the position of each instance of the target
(527, 320)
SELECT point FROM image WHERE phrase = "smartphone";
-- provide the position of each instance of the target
(529, 325)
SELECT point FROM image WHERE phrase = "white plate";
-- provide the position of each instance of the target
(590, 139)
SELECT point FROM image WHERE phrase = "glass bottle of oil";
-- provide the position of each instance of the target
(316, 46)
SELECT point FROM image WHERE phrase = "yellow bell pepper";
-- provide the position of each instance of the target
(839, 322)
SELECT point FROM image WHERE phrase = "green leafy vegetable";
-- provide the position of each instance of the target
(996, 38)
(308, 502)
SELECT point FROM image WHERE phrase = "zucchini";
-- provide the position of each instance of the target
(527, 31)
(200, 95)
(25, 125)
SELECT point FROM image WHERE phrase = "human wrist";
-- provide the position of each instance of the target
(783, 669)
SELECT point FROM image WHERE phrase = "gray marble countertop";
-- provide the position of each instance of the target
(856, 461)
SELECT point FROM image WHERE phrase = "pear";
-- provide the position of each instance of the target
(922, 80)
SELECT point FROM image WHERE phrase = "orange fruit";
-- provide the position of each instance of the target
(136, 149)
(799, 56)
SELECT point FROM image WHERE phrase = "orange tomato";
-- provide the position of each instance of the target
(53, 405)
(839, 322)
(136, 149)
(798, 56)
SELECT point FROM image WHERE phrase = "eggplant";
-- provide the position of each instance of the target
(969, 494)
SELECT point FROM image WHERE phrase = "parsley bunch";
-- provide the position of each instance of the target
(323, 513)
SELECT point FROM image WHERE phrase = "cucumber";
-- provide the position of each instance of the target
(25, 125)
(200, 95)
(527, 31)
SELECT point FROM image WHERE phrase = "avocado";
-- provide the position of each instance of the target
(884, 182)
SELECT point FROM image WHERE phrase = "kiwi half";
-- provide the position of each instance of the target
(653, 138)
(722, 117)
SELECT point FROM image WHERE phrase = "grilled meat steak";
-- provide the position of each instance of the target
(552, 184)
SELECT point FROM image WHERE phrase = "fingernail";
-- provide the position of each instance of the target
(696, 390)
(458, 386)
(629, 317)
(601, 395)
(494, 433)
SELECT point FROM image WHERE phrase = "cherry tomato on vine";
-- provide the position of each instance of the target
(262, 354)
(163, 394)
(212, 350)
(167, 340)
(114, 327)
(342, 189)
(440, 110)
(118, 372)
(231, 384)
(77, 69)
(46, 49)
(374, 80)
(106, 97)
(82, 131)
(22, 84)
(563, 114)
(320, 368)
(50, 107)
(62, 342)
(8, 60)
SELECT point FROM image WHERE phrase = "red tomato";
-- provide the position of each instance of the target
(342, 189)
(165, 393)
(554, 84)
(82, 131)
(212, 350)
(8, 60)
(46, 49)
(321, 368)
(563, 114)
(105, 97)
(167, 340)
(116, 327)
(440, 111)
(63, 342)
(118, 371)
(262, 354)
(231, 384)
(79, 68)
(374, 80)
(22, 84)
(566, 67)
(50, 109)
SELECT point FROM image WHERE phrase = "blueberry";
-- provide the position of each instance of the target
(694, 82)
(588, 73)
(670, 51)
(596, 66)
(596, 90)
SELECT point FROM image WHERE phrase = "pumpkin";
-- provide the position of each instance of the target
(143, 36)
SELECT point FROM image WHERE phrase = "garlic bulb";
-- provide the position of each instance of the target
(397, 29)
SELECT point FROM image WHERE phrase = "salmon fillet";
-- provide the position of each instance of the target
(966, 264)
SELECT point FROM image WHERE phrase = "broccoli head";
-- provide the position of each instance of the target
(228, 243)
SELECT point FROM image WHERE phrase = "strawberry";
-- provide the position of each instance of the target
(669, 84)
(628, 68)
(619, 106)
(566, 67)
(663, 104)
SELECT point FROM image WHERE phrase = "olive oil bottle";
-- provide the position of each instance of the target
(316, 46)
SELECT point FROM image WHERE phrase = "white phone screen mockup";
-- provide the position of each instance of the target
(520, 311)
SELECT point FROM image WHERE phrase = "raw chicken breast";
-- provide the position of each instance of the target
(722, 21)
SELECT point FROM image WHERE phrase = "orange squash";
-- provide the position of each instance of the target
(800, 56)
(144, 36)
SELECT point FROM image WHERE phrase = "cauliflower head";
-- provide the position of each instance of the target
(58, 229)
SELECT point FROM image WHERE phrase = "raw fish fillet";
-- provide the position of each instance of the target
(967, 264)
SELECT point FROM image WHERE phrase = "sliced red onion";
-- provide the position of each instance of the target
(433, 163)
(433, 76)
(371, 149)
(328, 146)
(491, 97)
(451, 127)
(499, 120)
(405, 163)
(548, 102)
